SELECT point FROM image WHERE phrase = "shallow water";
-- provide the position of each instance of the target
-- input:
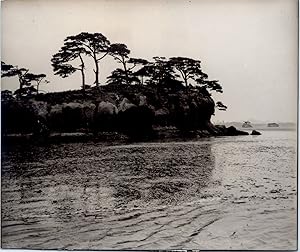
(216, 193)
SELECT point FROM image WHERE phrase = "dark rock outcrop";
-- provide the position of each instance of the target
(18, 117)
(232, 131)
(105, 117)
(161, 117)
(55, 117)
(133, 110)
(73, 117)
(221, 130)
(254, 132)
(136, 121)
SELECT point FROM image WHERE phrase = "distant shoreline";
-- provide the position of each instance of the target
(160, 135)
(263, 126)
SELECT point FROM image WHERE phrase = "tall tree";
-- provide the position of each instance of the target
(96, 45)
(69, 53)
(159, 72)
(187, 67)
(140, 63)
(11, 71)
(25, 91)
(145, 71)
(37, 78)
(118, 76)
(120, 53)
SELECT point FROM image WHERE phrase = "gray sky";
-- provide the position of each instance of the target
(250, 46)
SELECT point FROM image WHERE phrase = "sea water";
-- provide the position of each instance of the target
(214, 193)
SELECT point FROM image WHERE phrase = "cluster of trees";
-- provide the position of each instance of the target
(177, 70)
(75, 51)
(29, 83)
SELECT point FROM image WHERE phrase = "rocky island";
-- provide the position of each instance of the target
(163, 98)
(135, 112)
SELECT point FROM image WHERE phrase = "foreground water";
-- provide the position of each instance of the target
(216, 193)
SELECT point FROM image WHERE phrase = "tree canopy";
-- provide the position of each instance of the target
(25, 78)
(64, 62)
(187, 67)
(158, 72)
(8, 70)
(221, 106)
(119, 76)
(96, 45)
(11, 71)
(76, 50)
(120, 53)
(37, 78)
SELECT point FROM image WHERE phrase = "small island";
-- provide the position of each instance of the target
(122, 125)
(141, 99)
(273, 125)
(247, 124)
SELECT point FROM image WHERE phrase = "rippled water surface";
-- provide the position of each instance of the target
(216, 193)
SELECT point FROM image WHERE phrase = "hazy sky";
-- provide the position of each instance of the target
(250, 46)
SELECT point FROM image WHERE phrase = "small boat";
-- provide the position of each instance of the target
(273, 125)
(247, 124)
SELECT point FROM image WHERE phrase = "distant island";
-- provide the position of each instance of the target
(273, 125)
(142, 100)
(247, 124)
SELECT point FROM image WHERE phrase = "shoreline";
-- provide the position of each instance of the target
(158, 134)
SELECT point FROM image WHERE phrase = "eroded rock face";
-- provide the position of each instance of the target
(55, 117)
(133, 111)
(105, 117)
(136, 121)
(106, 108)
(88, 113)
(143, 100)
(125, 104)
(40, 108)
(18, 117)
(190, 111)
(162, 116)
(71, 116)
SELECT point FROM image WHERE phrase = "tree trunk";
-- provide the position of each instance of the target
(96, 71)
(186, 83)
(184, 77)
(82, 73)
(20, 81)
(126, 71)
(97, 74)
(83, 80)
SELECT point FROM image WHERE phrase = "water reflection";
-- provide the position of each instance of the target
(169, 174)
(99, 180)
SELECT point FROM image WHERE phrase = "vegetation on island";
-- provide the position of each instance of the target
(137, 94)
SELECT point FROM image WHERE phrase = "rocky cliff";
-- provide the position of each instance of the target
(134, 110)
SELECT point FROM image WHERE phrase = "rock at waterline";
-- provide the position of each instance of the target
(232, 131)
(255, 133)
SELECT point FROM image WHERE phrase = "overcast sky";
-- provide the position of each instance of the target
(250, 46)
